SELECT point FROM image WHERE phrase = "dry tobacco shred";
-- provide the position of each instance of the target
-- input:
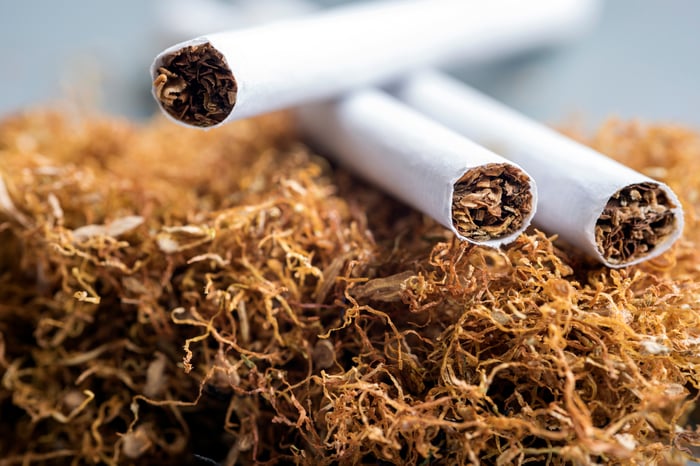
(170, 296)
(635, 220)
(491, 202)
(196, 86)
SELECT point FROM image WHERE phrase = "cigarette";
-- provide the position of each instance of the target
(480, 196)
(220, 77)
(617, 215)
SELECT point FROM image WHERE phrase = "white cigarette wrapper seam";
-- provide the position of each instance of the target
(401, 151)
(287, 63)
(574, 181)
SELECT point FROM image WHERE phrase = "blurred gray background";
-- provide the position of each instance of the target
(641, 60)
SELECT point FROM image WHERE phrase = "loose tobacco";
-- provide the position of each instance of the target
(173, 296)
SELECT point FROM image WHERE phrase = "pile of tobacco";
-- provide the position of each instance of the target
(173, 296)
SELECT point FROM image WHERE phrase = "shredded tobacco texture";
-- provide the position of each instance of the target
(170, 296)
(635, 220)
(491, 201)
(196, 86)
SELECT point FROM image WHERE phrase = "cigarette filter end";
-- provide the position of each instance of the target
(491, 201)
(195, 85)
(636, 220)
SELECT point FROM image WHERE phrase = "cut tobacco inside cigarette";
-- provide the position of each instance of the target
(635, 220)
(196, 86)
(491, 201)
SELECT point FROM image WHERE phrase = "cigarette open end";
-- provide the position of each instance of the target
(195, 85)
(491, 201)
(635, 220)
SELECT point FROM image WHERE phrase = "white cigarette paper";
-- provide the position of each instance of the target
(182, 19)
(481, 197)
(220, 77)
(614, 213)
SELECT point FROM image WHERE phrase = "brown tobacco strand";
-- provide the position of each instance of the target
(195, 85)
(491, 202)
(635, 220)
